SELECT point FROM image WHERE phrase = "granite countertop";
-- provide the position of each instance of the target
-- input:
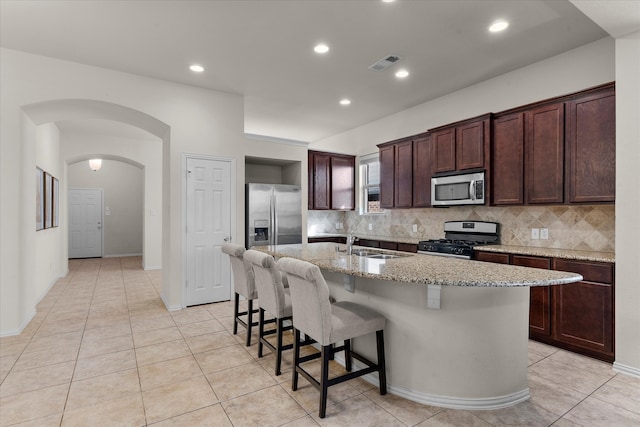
(551, 252)
(420, 269)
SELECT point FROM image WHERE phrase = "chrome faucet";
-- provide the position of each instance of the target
(350, 241)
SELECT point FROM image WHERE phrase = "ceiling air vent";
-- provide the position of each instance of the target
(384, 63)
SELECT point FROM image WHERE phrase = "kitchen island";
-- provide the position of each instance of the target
(457, 330)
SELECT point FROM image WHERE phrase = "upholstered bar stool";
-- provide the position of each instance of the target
(327, 323)
(274, 299)
(243, 284)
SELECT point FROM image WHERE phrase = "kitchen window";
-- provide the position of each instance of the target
(370, 184)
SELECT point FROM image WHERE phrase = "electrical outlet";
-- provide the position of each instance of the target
(370, 226)
(337, 226)
(535, 233)
(341, 226)
(414, 228)
(544, 233)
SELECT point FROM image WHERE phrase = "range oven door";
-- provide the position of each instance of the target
(458, 189)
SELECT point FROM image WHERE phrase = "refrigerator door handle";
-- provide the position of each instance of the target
(274, 221)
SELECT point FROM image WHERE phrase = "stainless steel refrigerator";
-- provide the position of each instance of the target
(273, 214)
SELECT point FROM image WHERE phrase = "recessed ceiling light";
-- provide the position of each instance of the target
(321, 48)
(401, 74)
(388, 1)
(345, 101)
(498, 26)
(196, 68)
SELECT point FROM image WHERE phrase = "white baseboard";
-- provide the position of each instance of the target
(170, 307)
(626, 369)
(19, 329)
(486, 403)
(120, 255)
(152, 267)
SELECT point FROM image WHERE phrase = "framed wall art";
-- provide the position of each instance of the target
(39, 199)
(48, 192)
(55, 211)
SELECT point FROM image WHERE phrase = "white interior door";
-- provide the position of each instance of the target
(208, 213)
(85, 223)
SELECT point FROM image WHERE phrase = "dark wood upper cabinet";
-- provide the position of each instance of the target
(507, 160)
(403, 182)
(320, 193)
(470, 145)
(387, 173)
(444, 150)
(331, 181)
(422, 171)
(544, 145)
(342, 182)
(396, 174)
(591, 148)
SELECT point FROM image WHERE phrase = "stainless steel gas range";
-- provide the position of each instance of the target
(460, 238)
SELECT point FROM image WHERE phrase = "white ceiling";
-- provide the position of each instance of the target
(263, 49)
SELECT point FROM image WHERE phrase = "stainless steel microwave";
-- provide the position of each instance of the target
(456, 189)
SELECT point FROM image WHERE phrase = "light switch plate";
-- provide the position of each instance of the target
(535, 233)
(544, 233)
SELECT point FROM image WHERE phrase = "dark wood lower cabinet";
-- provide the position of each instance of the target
(579, 316)
(583, 312)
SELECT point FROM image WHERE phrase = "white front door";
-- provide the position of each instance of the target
(85, 223)
(208, 214)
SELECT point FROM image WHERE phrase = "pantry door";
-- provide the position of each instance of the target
(208, 226)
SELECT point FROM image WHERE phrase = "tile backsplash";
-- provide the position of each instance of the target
(590, 227)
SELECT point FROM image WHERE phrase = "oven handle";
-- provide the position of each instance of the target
(444, 255)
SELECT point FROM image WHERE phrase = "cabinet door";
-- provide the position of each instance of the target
(491, 257)
(321, 181)
(388, 245)
(403, 175)
(387, 171)
(539, 297)
(544, 156)
(310, 186)
(422, 172)
(470, 146)
(507, 160)
(583, 311)
(444, 150)
(342, 183)
(408, 247)
(591, 141)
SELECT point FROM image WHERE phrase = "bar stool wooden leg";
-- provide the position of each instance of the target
(347, 355)
(296, 359)
(279, 326)
(249, 321)
(382, 375)
(327, 352)
(236, 309)
(260, 332)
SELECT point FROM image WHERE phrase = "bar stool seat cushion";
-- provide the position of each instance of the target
(242, 271)
(350, 320)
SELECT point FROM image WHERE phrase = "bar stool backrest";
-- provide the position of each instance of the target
(243, 279)
(268, 279)
(309, 299)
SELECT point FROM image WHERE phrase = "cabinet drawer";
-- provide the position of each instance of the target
(408, 247)
(591, 271)
(531, 261)
(492, 257)
(368, 243)
(388, 245)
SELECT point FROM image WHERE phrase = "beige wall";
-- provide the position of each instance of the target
(628, 203)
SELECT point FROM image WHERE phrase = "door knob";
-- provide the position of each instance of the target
(227, 239)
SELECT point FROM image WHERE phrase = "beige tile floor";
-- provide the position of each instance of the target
(103, 351)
